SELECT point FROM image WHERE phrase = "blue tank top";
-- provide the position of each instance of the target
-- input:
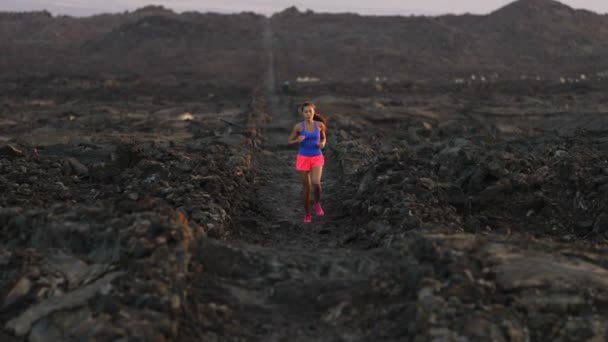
(308, 147)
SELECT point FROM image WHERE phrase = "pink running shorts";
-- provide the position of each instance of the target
(304, 163)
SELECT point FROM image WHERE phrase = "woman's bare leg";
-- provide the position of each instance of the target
(305, 175)
(315, 176)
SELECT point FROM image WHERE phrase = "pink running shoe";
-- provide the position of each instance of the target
(318, 209)
(307, 218)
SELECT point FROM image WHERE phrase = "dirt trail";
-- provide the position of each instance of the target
(277, 279)
(278, 213)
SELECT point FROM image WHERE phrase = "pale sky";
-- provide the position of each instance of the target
(375, 7)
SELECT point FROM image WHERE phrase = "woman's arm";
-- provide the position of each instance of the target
(295, 137)
(321, 143)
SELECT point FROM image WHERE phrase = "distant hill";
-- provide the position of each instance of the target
(526, 37)
(150, 43)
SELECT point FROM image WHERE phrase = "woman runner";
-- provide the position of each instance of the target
(311, 135)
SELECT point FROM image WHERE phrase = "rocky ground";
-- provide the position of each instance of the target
(102, 202)
(156, 212)
(443, 225)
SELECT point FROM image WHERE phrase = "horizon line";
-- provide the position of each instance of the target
(268, 13)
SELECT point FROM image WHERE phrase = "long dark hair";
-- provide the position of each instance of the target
(317, 116)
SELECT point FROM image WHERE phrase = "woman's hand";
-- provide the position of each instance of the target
(321, 144)
(297, 140)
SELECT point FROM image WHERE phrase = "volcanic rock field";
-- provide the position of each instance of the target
(153, 197)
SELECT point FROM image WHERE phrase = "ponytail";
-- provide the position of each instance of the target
(320, 118)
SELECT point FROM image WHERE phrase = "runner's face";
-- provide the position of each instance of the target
(308, 112)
